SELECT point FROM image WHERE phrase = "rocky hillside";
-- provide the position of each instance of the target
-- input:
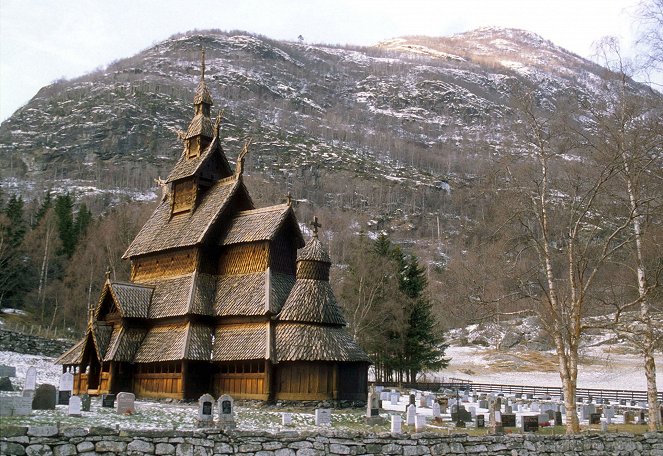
(394, 135)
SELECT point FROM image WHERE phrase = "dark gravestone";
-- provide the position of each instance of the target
(63, 397)
(85, 402)
(530, 396)
(460, 414)
(519, 395)
(594, 418)
(558, 418)
(622, 402)
(508, 420)
(108, 400)
(530, 423)
(413, 399)
(6, 384)
(481, 423)
(590, 398)
(44, 398)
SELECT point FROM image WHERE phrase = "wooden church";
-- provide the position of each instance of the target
(223, 297)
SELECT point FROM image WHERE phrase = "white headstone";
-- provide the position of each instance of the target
(379, 388)
(286, 418)
(430, 400)
(22, 406)
(323, 417)
(205, 410)
(7, 371)
(125, 403)
(66, 382)
(226, 410)
(74, 406)
(31, 379)
(396, 422)
(395, 397)
(384, 396)
(411, 413)
(419, 423)
(436, 410)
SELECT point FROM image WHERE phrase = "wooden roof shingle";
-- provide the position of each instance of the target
(240, 342)
(133, 300)
(189, 166)
(162, 343)
(74, 355)
(241, 294)
(312, 301)
(302, 342)
(162, 232)
(171, 297)
(313, 251)
(260, 225)
(124, 343)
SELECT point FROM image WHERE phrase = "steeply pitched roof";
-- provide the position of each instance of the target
(171, 297)
(101, 334)
(259, 225)
(186, 167)
(200, 125)
(175, 342)
(74, 355)
(314, 251)
(301, 342)
(124, 343)
(240, 342)
(312, 301)
(133, 300)
(162, 232)
(245, 294)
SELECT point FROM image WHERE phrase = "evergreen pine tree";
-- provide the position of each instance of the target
(43, 208)
(63, 211)
(83, 219)
(15, 227)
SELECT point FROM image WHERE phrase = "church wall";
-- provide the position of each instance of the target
(184, 195)
(243, 258)
(159, 380)
(242, 379)
(282, 255)
(163, 265)
(353, 381)
(305, 380)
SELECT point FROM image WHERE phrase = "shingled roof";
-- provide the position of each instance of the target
(189, 166)
(245, 294)
(312, 301)
(175, 342)
(163, 231)
(314, 251)
(124, 343)
(260, 225)
(171, 297)
(74, 355)
(302, 342)
(240, 342)
(132, 300)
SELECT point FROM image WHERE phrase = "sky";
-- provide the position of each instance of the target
(42, 41)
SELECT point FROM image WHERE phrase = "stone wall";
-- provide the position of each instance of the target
(48, 440)
(14, 341)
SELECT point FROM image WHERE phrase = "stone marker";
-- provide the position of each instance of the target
(396, 422)
(226, 410)
(437, 415)
(15, 406)
(604, 426)
(6, 384)
(629, 416)
(323, 417)
(413, 399)
(458, 413)
(108, 400)
(125, 404)
(373, 409)
(483, 404)
(544, 419)
(530, 423)
(385, 396)
(394, 397)
(7, 371)
(419, 423)
(44, 398)
(411, 414)
(6, 406)
(379, 389)
(508, 420)
(66, 387)
(558, 418)
(481, 421)
(286, 419)
(422, 401)
(30, 379)
(85, 402)
(534, 407)
(74, 406)
(205, 410)
(430, 400)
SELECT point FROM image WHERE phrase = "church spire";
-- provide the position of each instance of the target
(200, 131)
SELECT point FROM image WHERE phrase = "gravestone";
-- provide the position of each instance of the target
(458, 413)
(226, 411)
(544, 419)
(443, 401)
(534, 407)
(286, 419)
(587, 411)
(609, 412)
(530, 423)
(30, 379)
(480, 421)
(642, 417)
(394, 397)
(44, 398)
(373, 410)
(508, 409)
(411, 413)
(396, 423)
(483, 404)
(74, 406)
(85, 402)
(125, 404)
(7, 371)
(419, 423)
(6, 406)
(430, 400)
(385, 396)
(379, 389)
(205, 410)
(629, 416)
(604, 426)
(6, 384)
(622, 402)
(66, 386)
(436, 411)
(508, 420)
(323, 417)
(551, 415)
(22, 406)
(108, 400)
(594, 418)
(422, 401)
(413, 399)
(558, 418)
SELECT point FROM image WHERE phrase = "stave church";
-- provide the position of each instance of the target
(223, 297)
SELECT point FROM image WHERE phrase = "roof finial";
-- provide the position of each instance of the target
(202, 63)
(239, 167)
(217, 122)
(108, 273)
(315, 224)
(289, 199)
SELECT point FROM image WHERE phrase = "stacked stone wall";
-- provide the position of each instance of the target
(49, 440)
(18, 342)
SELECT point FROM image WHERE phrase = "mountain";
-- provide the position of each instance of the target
(394, 136)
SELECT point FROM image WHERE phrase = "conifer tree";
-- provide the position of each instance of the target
(67, 231)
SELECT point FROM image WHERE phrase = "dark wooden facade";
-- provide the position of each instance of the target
(219, 300)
